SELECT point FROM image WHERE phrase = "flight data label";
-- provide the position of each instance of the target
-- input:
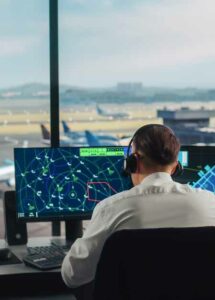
(103, 151)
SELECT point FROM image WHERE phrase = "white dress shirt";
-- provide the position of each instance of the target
(156, 202)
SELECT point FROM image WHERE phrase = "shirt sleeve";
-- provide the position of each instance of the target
(79, 265)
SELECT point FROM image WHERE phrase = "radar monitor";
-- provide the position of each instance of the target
(66, 183)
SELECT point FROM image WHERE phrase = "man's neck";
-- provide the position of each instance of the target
(137, 178)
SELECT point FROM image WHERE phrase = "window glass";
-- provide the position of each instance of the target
(24, 85)
(127, 63)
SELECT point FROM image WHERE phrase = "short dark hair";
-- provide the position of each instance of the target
(156, 143)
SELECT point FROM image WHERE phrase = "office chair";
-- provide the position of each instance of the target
(149, 264)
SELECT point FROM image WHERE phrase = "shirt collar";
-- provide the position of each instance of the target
(158, 177)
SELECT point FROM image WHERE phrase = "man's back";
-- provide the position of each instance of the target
(154, 202)
(157, 202)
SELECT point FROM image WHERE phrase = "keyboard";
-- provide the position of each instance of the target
(45, 257)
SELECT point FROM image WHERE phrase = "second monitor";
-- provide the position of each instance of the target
(199, 167)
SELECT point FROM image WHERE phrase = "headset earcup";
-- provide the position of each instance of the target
(130, 165)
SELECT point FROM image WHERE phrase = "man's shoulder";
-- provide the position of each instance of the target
(173, 188)
(204, 192)
(195, 190)
(117, 198)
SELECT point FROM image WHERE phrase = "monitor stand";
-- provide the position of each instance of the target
(73, 230)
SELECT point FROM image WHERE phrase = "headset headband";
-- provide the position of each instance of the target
(140, 130)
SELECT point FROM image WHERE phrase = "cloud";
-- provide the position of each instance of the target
(79, 2)
(13, 46)
(5, 2)
(158, 35)
(87, 3)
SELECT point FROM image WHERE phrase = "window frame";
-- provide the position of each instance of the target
(54, 73)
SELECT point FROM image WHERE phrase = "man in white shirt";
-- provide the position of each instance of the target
(155, 201)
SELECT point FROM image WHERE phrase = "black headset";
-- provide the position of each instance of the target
(131, 160)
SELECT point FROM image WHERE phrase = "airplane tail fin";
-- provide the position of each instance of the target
(92, 140)
(25, 144)
(99, 110)
(66, 128)
(45, 132)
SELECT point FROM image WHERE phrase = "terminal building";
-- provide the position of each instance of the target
(191, 126)
(130, 87)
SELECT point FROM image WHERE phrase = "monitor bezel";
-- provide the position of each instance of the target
(195, 149)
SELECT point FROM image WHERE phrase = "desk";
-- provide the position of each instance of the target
(19, 280)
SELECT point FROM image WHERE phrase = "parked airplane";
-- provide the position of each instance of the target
(69, 139)
(79, 138)
(7, 173)
(46, 137)
(111, 115)
(72, 134)
(90, 138)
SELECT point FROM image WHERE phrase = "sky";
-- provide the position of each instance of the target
(167, 43)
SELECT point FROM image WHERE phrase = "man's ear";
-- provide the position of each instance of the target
(174, 167)
(140, 166)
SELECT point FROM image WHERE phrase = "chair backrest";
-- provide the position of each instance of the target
(173, 263)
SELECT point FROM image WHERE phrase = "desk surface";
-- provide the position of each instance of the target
(21, 280)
